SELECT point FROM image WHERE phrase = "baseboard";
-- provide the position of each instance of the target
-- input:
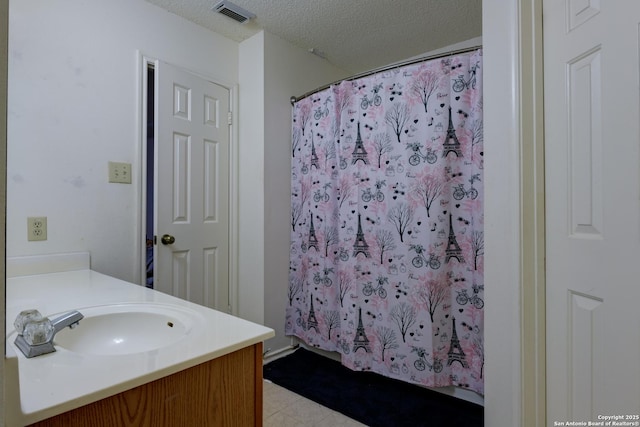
(271, 355)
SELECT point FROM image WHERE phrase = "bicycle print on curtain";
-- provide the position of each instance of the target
(387, 236)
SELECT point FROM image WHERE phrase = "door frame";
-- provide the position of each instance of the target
(532, 216)
(144, 62)
(515, 336)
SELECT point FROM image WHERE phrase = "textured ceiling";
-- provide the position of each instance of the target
(355, 35)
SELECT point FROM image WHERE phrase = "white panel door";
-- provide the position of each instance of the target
(192, 188)
(592, 158)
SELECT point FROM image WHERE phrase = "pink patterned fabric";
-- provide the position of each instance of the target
(387, 238)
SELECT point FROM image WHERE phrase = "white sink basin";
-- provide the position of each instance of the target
(127, 328)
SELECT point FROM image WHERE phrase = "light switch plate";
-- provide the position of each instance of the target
(120, 172)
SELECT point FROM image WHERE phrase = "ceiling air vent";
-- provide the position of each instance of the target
(233, 11)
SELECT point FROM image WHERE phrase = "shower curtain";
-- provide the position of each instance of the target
(387, 241)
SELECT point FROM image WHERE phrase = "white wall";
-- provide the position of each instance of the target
(251, 179)
(73, 106)
(503, 385)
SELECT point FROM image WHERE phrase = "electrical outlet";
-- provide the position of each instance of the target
(36, 228)
(120, 172)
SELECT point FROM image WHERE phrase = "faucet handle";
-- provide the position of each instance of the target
(38, 332)
(25, 317)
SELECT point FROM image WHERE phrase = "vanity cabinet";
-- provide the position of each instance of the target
(226, 391)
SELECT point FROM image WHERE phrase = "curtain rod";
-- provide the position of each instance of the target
(387, 68)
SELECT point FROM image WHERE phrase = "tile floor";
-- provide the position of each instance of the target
(283, 408)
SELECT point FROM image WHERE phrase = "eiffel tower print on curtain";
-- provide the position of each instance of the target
(313, 240)
(361, 340)
(456, 354)
(312, 322)
(359, 153)
(360, 246)
(314, 155)
(453, 249)
(448, 146)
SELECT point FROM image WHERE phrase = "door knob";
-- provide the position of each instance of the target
(167, 239)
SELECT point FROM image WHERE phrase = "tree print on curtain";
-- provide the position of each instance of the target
(387, 238)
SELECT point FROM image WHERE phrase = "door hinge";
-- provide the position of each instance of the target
(229, 118)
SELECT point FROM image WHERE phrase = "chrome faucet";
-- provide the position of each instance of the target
(36, 333)
(70, 319)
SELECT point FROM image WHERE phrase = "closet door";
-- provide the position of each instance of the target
(592, 141)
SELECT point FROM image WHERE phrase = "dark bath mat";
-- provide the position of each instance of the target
(367, 397)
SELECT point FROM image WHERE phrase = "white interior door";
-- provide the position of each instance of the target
(192, 188)
(592, 158)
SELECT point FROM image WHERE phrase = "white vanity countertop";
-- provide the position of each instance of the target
(61, 381)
